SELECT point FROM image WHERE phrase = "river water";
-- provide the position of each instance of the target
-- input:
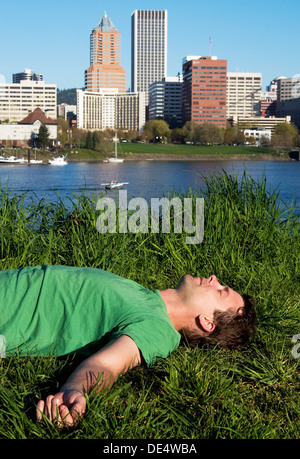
(147, 179)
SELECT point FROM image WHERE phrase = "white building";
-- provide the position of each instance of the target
(17, 100)
(26, 131)
(259, 135)
(243, 94)
(165, 100)
(110, 109)
(148, 49)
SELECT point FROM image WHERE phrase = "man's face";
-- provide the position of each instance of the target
(207, 294)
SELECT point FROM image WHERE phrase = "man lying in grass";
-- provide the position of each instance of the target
(116, 322)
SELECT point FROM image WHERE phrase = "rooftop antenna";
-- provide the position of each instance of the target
(210, 46)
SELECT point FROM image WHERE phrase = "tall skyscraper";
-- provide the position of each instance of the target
(148, 49)
(204, 90)
(105, 69)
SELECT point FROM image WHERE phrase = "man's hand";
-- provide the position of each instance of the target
(100, 370)
(64, 408)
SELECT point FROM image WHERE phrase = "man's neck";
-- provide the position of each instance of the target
(174, 307)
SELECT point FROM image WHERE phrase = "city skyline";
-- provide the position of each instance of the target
(54, 39)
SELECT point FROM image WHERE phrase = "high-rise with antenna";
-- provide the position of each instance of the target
(204, 90)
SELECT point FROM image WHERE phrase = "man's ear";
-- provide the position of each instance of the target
(206, 324)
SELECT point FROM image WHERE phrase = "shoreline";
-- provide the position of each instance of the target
(175, 157)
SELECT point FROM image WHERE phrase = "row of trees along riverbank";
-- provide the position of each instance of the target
(285, 135)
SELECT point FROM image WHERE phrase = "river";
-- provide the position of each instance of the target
(147, 179)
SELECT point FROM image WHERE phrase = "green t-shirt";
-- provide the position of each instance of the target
(60, 310)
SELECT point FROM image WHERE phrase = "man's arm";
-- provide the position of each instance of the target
(100, 369)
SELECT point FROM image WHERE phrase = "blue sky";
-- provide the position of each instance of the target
(53, 38)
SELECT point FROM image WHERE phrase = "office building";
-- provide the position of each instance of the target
(259, 122)
(288, 98)
(204, 90)
(66, 111)
(243, 94)
(165, 100)
(272, 87)
(110, 109)
(290, 108)
(148, 49)
(17, 100)
(268, 103)
(27, 75)
(105, 69)
(288, 88)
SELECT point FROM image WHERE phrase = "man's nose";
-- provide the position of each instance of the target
(213, 280)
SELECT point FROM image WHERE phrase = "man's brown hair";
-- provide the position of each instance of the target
(232, 330)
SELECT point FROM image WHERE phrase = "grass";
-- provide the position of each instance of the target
(250, 242)
(191, 150)
(156, 150)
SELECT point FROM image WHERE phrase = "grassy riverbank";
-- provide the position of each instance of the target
(249, 243)
(158, 151)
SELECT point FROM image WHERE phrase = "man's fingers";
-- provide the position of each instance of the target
(67, 418)
(50, 408)
(59, 413)
(55, 414)
(40, 410)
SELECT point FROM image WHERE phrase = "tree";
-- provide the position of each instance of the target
(42, 139)
(286, 128)
(89, 141)
(96, 140)
(160, 129)
(230, 135)
(211, 134)
(285, 135)
(240, 138)
(177, 135)
(190, 131)
(155, 130)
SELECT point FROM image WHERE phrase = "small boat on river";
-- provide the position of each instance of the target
(115, 158)
(10, 160)
(114, 184)
(59, 161)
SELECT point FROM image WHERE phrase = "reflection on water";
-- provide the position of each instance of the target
(148, 179)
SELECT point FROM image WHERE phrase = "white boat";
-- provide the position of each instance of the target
(115, 158)
(113, 184)
(10, 160)
(59, 161)
(32, 161)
